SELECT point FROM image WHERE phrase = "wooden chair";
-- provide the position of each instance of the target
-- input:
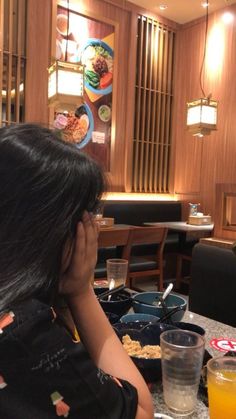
(113, 237)
(113, 242)
(180, 278)
(145, 265)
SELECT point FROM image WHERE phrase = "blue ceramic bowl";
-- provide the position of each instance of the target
(88, 136)
(138, 317)
(142, 300)
(149, 368)
(119, 303)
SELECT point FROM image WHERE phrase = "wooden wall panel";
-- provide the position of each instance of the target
(38, 43)
(201, 163)
(225, 225)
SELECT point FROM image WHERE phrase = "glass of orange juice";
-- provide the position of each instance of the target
(221, 382)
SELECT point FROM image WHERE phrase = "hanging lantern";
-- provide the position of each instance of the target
(65, 85)
(202, 116)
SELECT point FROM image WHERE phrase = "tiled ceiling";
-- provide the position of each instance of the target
(182, 11)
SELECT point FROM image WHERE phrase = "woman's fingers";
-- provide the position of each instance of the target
(84, 257)
(90, 233)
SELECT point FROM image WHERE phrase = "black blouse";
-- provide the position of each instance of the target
(44, 374)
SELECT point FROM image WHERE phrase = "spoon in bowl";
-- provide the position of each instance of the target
(164, 295)
(158, 300)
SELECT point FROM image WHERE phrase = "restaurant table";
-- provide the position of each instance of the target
(183, 228)
(213, 329)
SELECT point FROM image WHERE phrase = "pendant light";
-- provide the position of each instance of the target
(65, 81)
(202, 113)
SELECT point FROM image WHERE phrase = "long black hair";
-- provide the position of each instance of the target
(45, 186)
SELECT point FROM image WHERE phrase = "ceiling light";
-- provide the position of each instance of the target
(205, 4)
(65, 80)
(227, 17)
(201, 116)
(65, 85)
(163, 7)
(202, 113)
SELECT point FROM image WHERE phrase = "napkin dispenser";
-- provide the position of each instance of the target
(199, 219)
(105, 222)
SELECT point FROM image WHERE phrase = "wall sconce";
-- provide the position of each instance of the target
(65, 85)
(201, 116)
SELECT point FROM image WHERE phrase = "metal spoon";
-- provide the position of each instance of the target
(159, 299)
(164, 295)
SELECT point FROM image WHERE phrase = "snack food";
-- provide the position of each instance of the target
(134, 348)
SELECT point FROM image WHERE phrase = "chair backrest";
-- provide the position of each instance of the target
(213, 283)
(113, 237)
(146, 235)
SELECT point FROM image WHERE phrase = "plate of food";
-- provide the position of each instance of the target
(79, 126)
(143, 346)
(97, 57)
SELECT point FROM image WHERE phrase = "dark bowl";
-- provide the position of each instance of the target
(142, 303)
(149, 368)
(120, 327)
(113, 318)
(118, 304)
(190, 326)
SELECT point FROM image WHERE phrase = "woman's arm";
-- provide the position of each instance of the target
(95, 330)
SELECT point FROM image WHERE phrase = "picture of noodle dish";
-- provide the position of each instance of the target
(97, 57)
(75, 127)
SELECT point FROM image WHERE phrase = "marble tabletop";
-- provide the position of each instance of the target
(213, 329)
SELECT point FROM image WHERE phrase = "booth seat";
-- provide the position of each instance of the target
(213, 283)
(139, 212)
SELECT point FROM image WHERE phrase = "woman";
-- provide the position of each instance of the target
(48, 247)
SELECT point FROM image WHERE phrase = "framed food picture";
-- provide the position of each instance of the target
(84, 39)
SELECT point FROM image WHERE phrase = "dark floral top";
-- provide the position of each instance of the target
(44, 374)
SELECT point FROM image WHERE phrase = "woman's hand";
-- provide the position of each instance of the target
(78, 268)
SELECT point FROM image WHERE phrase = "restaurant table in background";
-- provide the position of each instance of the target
(188, 236)
(183, 228)
(213, 330)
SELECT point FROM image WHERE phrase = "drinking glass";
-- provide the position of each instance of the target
(221, 383)
(116, 272)
(181, 358)
(98, 213)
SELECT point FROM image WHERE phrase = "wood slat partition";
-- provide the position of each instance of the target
(12, 61)
(152, 126)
